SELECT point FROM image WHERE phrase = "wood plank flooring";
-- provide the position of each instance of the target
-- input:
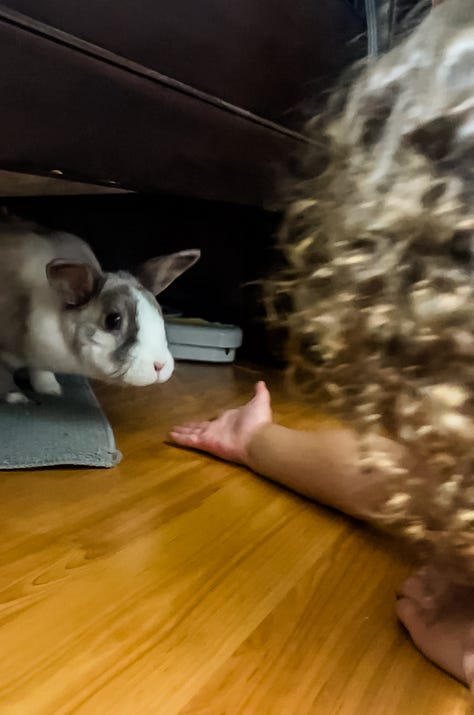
(178, 584)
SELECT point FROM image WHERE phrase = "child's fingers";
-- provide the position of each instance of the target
(190, 426)
(186, 440)
(186, 436)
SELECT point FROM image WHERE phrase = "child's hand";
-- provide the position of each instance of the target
(228, 436)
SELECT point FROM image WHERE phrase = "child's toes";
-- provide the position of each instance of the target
(468, 666)
(410, 614)
(414, 589)
(441, 642)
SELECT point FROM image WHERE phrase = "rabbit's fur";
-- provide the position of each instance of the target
(60, 313)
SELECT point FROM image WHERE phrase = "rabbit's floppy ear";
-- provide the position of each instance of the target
(76, 283)
(158, 273)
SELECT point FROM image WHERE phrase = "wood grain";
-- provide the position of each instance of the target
(175, 583)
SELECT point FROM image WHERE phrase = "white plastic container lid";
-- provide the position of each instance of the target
(194, 331)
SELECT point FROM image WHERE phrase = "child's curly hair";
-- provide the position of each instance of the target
(379, 240)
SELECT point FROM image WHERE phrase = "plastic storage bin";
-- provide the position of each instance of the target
(195, 339)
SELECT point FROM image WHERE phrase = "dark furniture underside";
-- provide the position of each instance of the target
(196, 97)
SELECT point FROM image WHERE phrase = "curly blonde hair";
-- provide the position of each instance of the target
(379, 242)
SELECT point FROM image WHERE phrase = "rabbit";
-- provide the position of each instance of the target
(60, 313)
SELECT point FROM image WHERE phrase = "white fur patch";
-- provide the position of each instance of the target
(151, 347)
(47, 346)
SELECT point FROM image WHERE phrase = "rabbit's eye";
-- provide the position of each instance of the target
(113, 321)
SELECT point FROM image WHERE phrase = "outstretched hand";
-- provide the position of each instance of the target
(228, 436)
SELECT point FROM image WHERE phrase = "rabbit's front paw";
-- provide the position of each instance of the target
(15, 397)
(45, 383)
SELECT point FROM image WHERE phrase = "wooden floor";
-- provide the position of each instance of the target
(175, 583)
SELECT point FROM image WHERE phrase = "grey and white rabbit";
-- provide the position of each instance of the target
(60, 313)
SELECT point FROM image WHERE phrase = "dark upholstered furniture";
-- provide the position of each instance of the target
(196, 97)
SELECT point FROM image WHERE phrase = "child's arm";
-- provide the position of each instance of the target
(321, 465)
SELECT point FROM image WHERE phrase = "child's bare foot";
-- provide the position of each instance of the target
(440, 619)
(229, 435)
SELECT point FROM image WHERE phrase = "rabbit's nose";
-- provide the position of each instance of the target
(158, 366)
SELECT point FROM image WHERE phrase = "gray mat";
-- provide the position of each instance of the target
(53, 431)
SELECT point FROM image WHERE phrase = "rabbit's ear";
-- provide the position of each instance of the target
(76, 283)
(158, 273)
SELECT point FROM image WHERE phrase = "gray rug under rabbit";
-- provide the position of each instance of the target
(57, 431)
